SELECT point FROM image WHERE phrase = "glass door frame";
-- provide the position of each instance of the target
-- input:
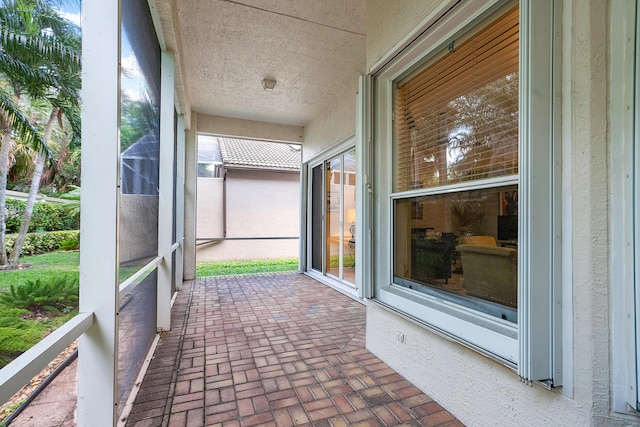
(338, 282)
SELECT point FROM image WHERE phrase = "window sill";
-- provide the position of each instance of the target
(492, 337)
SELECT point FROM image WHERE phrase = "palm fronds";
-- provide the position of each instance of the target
(19, 124)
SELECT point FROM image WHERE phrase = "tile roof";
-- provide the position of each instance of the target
(260, 154)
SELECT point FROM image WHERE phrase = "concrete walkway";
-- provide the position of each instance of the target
(55, 406)
(273, 350)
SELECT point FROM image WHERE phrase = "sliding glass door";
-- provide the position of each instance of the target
(333, 217)
(317, 218)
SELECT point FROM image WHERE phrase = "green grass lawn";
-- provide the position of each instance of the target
(220, 268)
(19, 330)
(45, 265)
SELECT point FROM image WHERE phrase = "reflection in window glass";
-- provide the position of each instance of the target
(456, 119)
(334, 202)
(210, 163)
(138, 201)
(341, 216)
(139, 138)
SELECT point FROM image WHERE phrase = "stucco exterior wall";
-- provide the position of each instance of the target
(477, 390)
(590, 183)
(258, 204)
(388, 23)
(335, 123)
(210, 210)
(225, 126)
(480, 391)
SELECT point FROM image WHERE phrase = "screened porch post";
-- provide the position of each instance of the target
(97, 363)
(190, 190)
(165, 203)
(178, 273)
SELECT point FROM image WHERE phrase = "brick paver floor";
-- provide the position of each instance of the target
(273, 350)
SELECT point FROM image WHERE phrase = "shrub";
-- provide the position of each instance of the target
(55, 294)
(70, 244)
(17, 335)
(46, 217)
(40, 243)
(15, 208)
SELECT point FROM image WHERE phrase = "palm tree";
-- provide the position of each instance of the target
(39, 58)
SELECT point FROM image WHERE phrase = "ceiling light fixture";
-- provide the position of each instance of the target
(268, 84)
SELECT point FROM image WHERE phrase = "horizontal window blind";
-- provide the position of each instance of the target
(457, 118)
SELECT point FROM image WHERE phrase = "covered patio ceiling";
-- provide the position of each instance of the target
(225, 48)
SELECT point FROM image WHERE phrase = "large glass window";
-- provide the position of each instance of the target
(455, 171)
(467, 182)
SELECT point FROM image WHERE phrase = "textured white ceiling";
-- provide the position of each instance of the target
(227, 47)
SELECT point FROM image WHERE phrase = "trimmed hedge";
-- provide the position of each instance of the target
(40, 243)
(46, 217)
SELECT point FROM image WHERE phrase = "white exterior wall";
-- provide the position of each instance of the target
(335, 123)
(210, 212)
(224, 126)
(258, 204)
(388, 23)
(474, 388)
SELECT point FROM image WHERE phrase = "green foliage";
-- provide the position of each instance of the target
(70, 244)
(46, 217)
(55, 294)
(73, 207)
(15, 208)
(37, 63)
(18, 334)
(349, 261)
(50, 283)
(136, 121)
(39, 243)
(220, 268)
(41, 266)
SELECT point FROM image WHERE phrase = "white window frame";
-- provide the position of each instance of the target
(625, 205)
(634, 301)
(531, 347)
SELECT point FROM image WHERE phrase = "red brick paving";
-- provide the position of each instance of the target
(273, 350)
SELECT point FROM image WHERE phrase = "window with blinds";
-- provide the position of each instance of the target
(456, 118)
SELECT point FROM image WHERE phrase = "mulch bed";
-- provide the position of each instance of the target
(7, 408)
